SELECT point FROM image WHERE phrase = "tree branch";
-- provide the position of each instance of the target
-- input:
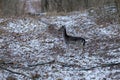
(90, 68)
(14, 72)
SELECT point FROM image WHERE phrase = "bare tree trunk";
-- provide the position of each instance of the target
(11, 7)
(44, 5)
(117, 2)
(62, 5)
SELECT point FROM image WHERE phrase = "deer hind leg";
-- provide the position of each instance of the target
(66, 49)
(81, 48)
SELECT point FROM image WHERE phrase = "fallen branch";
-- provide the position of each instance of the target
(90, 68)
(14, 72)
(104, 65)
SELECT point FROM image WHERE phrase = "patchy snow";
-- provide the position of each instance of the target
(37, 53)
(71, 20)
(25, 25)
(110, 30)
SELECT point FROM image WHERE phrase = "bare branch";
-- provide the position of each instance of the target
(90, 68)
(14, 72)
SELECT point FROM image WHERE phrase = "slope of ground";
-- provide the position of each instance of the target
(30, 49)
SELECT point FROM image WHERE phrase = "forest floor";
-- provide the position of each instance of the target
(33, 49)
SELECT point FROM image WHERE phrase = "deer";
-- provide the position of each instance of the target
(78, 42)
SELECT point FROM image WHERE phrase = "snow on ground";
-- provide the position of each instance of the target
(28, 47)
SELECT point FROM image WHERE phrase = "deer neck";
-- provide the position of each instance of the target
(65, 33)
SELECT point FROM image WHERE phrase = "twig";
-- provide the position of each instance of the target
(14, 72)
(90, 68)
(105, 65)
(110, 64)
